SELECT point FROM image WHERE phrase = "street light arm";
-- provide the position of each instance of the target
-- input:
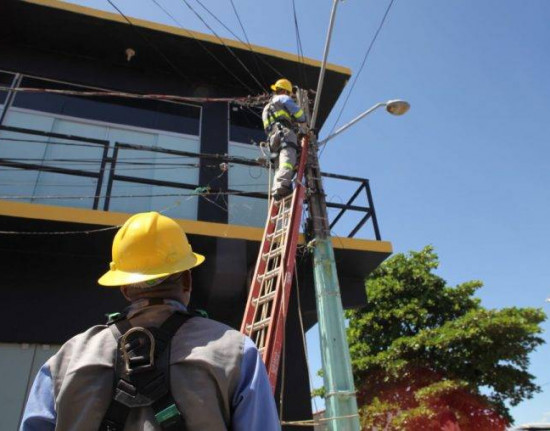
(352, 122)
(394, 107)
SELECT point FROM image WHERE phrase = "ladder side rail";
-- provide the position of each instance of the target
(271, 277)
(288, 209)
(261, 264)
(275, 339)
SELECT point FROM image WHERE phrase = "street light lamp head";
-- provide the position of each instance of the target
(397, 107)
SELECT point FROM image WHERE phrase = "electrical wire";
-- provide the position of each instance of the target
(303, 331)
(247, 41)
(150, 43)
(222, 157)
(299, 47)
(150, 195)
(365, 57)
(44, 142)
(81, 232)
(244, 100)
(263, 60)
(225, 45)
(46, 168)
(203, 46)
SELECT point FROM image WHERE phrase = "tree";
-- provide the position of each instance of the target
(428, 356)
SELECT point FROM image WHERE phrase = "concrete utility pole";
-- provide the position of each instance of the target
(341, 404)
(340, 400)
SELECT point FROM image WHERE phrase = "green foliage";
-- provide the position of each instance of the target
(424, 353)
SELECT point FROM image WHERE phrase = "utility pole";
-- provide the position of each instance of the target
(340, 400)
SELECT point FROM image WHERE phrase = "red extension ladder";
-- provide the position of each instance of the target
(266, 308)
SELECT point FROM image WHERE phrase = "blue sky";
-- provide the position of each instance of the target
(467, 169)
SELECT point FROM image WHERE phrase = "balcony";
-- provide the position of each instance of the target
(74, 171)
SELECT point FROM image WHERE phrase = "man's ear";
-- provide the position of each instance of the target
(124, 291)
(187, 281)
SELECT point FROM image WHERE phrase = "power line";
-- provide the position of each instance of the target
(251, 100)
(126, 186)
(153, 195)
(367, 53)
(263, 60)
(151, 44)
(299, 47)
(247, 40)
(203, 46)
(222, 157)
(223, 43)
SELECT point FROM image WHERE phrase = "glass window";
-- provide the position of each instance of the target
(6, 80)
(244, 210)
(29, 183)
(245, 124)
(128, 196)
(151, 114)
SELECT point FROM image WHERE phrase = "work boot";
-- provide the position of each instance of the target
(281, 193)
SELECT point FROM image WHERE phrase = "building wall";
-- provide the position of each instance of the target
(156, 127)
(19, 364)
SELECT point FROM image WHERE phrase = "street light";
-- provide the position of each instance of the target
(397, 107)
(394, 107)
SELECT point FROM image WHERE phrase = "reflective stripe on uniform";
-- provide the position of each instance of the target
(272, 118)
(299, 113)
(287, 165)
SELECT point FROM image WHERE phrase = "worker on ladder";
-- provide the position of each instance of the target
(155, 366)
(281, 118)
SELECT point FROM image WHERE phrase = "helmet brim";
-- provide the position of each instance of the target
(274, 88)
(117, 277)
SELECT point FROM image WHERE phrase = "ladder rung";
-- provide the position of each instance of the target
(264, 323)
(276, 234)
(264, 299)
(283, 227)
(270, 274)
(276, 252)
(282, 213)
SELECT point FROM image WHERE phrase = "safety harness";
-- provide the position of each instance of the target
(142, 371)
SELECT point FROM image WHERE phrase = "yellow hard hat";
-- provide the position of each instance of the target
(282, 84)
(146, 247)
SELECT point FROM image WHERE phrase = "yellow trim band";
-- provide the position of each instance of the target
(219, 230)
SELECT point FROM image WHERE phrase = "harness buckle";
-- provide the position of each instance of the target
(137, 338)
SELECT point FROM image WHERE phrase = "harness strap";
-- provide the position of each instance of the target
(154, 381)
(281, 116)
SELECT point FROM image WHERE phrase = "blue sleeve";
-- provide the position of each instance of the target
(253, 403)
(296, 112)
(39, 414)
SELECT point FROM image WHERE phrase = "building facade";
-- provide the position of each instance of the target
(73, 166)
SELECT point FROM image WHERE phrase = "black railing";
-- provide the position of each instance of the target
(7, 162)
(110, 163)
(369, 212)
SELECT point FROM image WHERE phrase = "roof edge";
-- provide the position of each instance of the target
(84, 10)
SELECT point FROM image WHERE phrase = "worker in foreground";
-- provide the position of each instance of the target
(281, 117)
(155, 366)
